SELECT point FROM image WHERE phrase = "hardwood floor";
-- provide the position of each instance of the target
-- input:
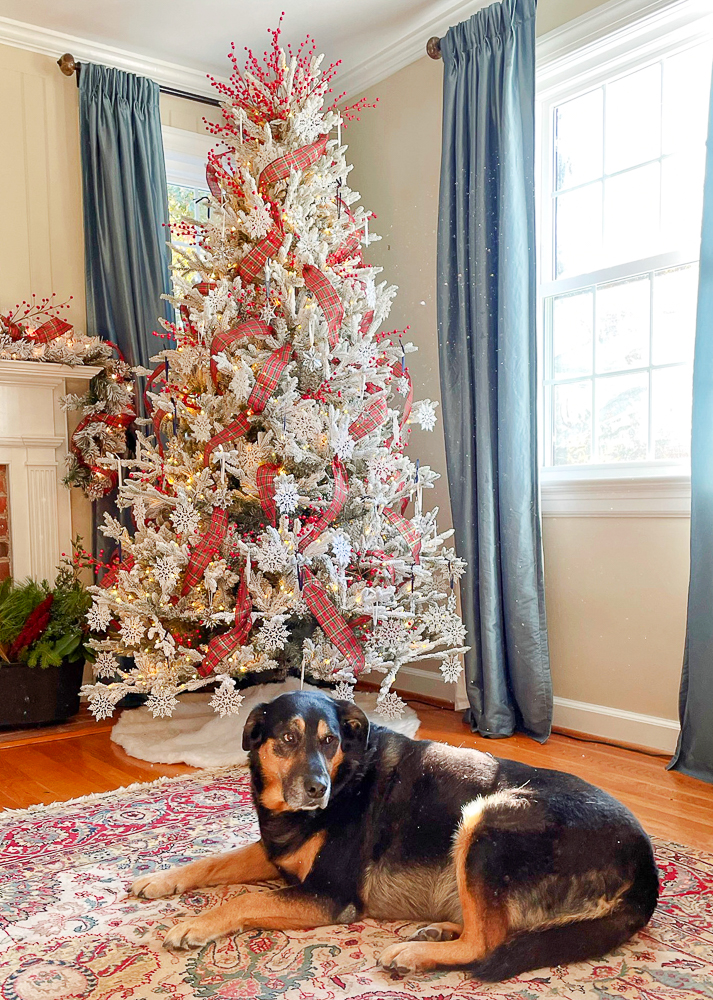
(79, 758)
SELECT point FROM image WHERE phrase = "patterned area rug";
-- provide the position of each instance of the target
(68, 931)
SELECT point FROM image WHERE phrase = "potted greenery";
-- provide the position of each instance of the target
(43, 632)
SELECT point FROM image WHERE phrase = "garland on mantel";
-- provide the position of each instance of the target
(35, 331)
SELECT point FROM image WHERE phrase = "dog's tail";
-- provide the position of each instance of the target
(574, 942)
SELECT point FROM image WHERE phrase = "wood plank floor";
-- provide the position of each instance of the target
(47, 765)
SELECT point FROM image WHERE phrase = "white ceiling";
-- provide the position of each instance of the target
(373, 38)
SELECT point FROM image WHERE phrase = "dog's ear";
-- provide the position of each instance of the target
(254, 731)
(353, 723)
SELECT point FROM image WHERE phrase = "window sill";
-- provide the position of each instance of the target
(641, 490)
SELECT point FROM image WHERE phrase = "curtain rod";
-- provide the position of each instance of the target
(68, 65)
(433, 48)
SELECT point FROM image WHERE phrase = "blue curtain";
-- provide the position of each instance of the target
(694, 753)
(125, 209)
(488, 362)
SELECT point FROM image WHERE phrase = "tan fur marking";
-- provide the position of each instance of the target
(247, 864)
(300, 862)
(335, 762)
(544, 904)
(323, 729)
(273, 770)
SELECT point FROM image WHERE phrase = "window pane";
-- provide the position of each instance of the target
(623, 325)
(622, 408)
(572, 318)
(572, 423)
(633, 119)
(631, 214)
(578, 230)
(675, 302)
(578, 140)
(686, 90)
(682, 199)
(671, 412)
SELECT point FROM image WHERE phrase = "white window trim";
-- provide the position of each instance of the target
(185, 154)
(618, 36)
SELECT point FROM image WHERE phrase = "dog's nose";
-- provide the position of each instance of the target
(315, 787)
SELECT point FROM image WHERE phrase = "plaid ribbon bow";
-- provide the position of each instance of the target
(250, 328)
(223, 645)
(332, 623)
(204, 551)
(407, 531)
(330, 303)
(253, 263)
(51, 329)
(112, 574)
(268, 377)
(266, 490)
(205, 286)
(301, 159)
(230, 433)
(339, 498)
(370, 419)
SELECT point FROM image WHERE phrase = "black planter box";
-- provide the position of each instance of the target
(31, 696)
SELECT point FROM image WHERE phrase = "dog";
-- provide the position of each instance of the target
(509, 867)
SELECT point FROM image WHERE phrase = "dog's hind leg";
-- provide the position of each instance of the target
(484, 921)
(246, 864)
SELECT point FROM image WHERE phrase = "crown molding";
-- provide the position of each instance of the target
(53, 43)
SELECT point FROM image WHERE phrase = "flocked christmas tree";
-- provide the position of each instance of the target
(279, 526)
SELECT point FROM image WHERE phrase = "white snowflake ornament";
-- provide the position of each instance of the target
(101, 703)
(132, 630)
(344, 691)
(451, 669)
(105, 665)
(226, 700)
(99, 616)
(274, 633)
(390, 706)
(287, 494)
(185, 518)
(161, 703)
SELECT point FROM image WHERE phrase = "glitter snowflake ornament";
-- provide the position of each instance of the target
(390, 706)
(226, 700)
(99, 616)
(274, 634)
(344, 691)
(105, 665)
(451, 669)
(185, 518)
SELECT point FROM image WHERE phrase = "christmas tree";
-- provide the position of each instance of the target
(279, 527)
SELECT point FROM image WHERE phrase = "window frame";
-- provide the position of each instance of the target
(612, 41)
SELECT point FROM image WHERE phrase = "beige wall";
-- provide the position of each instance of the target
(616, 588)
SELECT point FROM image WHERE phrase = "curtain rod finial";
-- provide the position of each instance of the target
(67, 64)
(433, 47)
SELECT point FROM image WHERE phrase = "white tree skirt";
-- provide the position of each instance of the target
(196, 735)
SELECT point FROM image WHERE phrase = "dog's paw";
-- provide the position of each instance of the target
(189, 934)
(155, 886)
(438, 932)
(406, 957)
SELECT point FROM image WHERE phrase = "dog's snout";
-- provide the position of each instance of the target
(315, 786)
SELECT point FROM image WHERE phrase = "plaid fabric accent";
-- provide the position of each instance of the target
(251, 328)
(50, 330)
(112, 574)
(370, 419)
(223, 645)
(268, 377)
(253, 263)
(409, 534)
(330, 303)
(211, 176)
(230, 433)
(16, 332)
(204, 551)
(331, 621)
(366, 321)
(205, 286)
(158, 370)
(186, 317)
(350, 248)
(339, 498)
(301, 159)
(266, 490)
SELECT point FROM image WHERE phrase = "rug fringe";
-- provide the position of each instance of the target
(203, 773)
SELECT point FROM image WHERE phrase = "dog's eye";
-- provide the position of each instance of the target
(288, 738)
(328, 739)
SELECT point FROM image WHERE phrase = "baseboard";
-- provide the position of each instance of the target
(616, 724)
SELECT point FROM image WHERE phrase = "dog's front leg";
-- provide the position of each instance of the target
(246, 864)
(279, 909)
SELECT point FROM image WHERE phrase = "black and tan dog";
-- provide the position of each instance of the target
(513, 867)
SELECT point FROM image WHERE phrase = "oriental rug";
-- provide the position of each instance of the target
(68, 930)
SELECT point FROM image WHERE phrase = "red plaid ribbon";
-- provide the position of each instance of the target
(350, 248)
(366, 321)
(266, 489)
(301, 159)
(339, 498)
(407, 531)
(204, 551)
(112, 574)
(211, 176)
(205, 286)
(230, 433)
(50, 330)
(251, 328)
(370, 419)
(223, 645)
(323, 290)
(111, 420)
(253, 263)
(268, 377)
(332, 623)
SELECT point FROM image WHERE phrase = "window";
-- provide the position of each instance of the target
(622, 160)
(185, 154)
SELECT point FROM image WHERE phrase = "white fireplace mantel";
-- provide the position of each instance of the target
(33, 445)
